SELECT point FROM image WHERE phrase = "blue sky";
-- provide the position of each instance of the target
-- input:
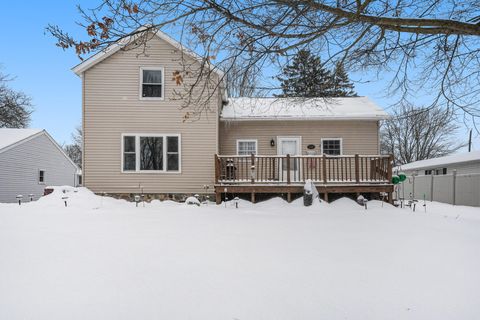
(42, 70)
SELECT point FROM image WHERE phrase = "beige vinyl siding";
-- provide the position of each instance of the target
(357, 136)
(112, 106)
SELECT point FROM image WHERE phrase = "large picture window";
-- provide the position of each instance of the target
(246, 147)
(151, 153)
(151, 83)
(332, 147)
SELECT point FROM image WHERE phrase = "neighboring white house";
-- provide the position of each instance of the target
(453, 179)
(30, 160)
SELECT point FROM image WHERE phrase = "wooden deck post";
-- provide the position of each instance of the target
(357, 169)
(389, 169)
(333, 169)
(252, 168)
(324, 168)
(217, 168)
(288, 169)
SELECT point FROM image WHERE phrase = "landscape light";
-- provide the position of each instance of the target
(65, 198)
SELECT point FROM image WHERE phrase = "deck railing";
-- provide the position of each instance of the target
(357, 169)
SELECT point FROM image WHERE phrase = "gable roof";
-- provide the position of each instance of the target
(113, 48)
(10, 138)
(351, 108)
(447, 160)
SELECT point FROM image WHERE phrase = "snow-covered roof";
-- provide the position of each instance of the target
(436, 162)
(358, 108)
(9, 137)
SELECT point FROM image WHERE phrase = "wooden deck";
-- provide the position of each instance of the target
(288, 174)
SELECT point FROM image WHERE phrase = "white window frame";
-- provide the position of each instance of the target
(247, 140)
(141, 97)
(337, 139)
(38, 176)
(137, 152)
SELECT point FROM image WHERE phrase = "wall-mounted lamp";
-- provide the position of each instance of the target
(272, 143)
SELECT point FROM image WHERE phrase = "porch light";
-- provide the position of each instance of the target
(19, 199)
(272, 143)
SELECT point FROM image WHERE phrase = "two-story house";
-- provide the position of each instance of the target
(136, 138)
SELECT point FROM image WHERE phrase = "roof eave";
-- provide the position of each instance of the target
(320, 118)
(110, 50)
(21, 141)
(434, 166)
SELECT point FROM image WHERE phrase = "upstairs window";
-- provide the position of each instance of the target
(151, 153)
(151, 83)
(332, 147)
(246, 147)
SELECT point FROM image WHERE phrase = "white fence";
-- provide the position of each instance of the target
(457, 189)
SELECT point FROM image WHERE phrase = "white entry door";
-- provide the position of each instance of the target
(291, 146)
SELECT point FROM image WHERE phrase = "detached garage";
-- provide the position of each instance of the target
(30, 160)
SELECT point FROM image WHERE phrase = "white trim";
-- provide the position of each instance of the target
(339, 139)
(110, 50)
(297, 138)
(295, 174)
(154, 68)
(248, 140)
(35, 135)
(137, 153)
(305, 118)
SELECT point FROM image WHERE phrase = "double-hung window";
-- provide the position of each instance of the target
(129, 154)
(246, 147)
(332, 146)
(151, 82)
(143, 152)
(41, 176)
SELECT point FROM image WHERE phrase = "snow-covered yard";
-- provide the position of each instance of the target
(107, 259)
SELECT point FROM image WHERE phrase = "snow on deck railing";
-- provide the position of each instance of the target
(287, 169)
